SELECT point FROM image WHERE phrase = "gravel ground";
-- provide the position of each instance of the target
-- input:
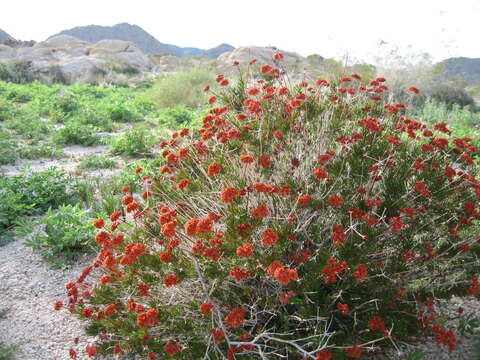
(28, 289)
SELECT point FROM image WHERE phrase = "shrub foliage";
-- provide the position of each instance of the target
(312, 221)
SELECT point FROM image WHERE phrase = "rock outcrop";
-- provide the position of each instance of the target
(263, 55)
(79, 60)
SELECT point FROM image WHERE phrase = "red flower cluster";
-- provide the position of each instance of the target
(235, 318)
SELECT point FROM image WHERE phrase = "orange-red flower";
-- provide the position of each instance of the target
(245, 250)
(246, 159)
(239, 274)
(234, 319)
(285, 275)
(168, 229)
(323, 355)
(204, 226)
(260, 212)
(269, 237)
(191, 227)
(99, 223)
(218, 335)
(354, 352)
(228, 194)
(206, 308)
(91, 349)
(264, 161)
(361, 273)
(109, 310)
(335, 200)
(170, 280)
(343, 308)
(320, 173)
(303, 200)
(376, 323)
(183, 183)
(214, 169)
(57, 305)
(172, 348)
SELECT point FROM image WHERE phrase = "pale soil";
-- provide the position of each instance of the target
(28, 289)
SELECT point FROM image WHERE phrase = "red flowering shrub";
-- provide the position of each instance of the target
(311, 221)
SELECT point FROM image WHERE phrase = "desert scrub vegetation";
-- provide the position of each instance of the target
(32, 194)
(97, 162)
(60, 235)
(135, 142)
(181, 87)
(305, 220)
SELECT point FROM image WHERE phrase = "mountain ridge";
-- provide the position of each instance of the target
(5, 36)
(145, 41)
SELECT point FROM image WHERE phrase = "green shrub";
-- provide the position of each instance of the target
(176, 116)
(77, 134)
(18, 72)
(40, 150)
(27, 124)
(294, 224)
(8, 149)
(122, 113)
(181, 87)
(134, 142)
(97, 162)
(65, 234)
(450, 95)
(31, 194)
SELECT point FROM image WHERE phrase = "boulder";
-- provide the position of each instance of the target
(263, 55)
(6, 52)
(77, 59)
(61, 41)
(114, 46)
(82, 69)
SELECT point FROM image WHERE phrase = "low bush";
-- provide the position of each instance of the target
(306, 222)
(61, 235)
(122, 113)
(77, 134)
(97, 162)
(181, 87)
(27, 124)
(450, 95)
(133, 142)
(175, 117)
(18, 72)
(33, 194)
(8, 149)
(40, 150)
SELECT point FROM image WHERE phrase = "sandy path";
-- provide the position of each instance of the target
(28, 289)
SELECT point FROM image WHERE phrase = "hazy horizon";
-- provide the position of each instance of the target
(441, 28)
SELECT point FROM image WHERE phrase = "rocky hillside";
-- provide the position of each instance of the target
(462, 67)
(4, 36)
(79, 60)
(146, 42)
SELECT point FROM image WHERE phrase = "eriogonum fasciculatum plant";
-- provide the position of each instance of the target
(301, 221)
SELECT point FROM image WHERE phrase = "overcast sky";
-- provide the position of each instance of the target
(443, 28)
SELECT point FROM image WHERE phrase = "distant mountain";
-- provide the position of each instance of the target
(462, 67)
(4, 36)
(146, 42)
